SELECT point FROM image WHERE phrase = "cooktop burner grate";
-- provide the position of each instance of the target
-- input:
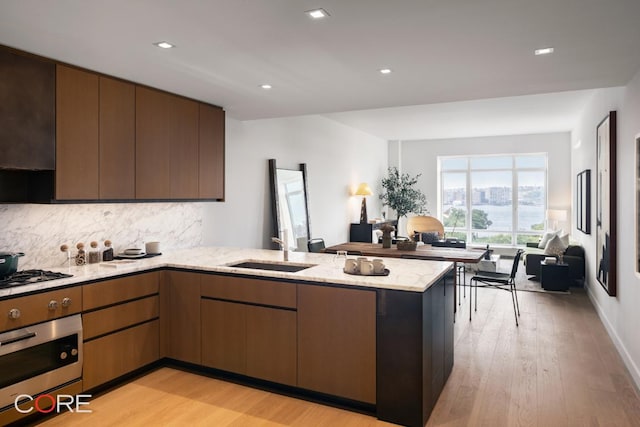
(26, 277)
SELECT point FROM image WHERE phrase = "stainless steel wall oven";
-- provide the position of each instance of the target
(41, 357)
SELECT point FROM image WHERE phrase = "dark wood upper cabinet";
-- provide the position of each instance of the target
(27, 111)
(69, 134)
(117, 139)
(77, 116)
(183, 148)
(166, 146)
(152, 144)
(211, 159)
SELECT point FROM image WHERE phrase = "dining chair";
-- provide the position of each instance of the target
(316, 245)
(498, 280)
(423, 224)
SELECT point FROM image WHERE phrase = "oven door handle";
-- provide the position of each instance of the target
(18, 338)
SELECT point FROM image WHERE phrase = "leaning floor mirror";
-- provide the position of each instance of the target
(289, 205)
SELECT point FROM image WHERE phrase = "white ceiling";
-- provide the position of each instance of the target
(440, 52)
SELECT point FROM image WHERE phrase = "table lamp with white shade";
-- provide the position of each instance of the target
(556, 215)
(364, 191)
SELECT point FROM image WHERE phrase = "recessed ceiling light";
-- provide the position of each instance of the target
(544, 51)
(317, 13)
(164, 45)
(266, 86)
(385, 70)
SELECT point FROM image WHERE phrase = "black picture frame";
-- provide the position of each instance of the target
(637, 141)
(583, 201)
(606, 226)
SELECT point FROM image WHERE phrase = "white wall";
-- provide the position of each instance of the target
(422, 157)
(338, 158)
(619, 314)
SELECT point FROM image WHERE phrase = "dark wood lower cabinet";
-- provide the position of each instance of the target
(224, 343)
(11, 415)
(337, 341)
(180, 316)
(414, 351)
(251, 340)
(272, 344)
(383, 350)
(119, 353)
(121, 327)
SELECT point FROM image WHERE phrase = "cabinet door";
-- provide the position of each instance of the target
(166, 146)
(251, 340)
(361, 233)
(77, 156)
(117, 139)
(437, 324)
(271, 344)
(153, 109)
(119, 353)
(183, 148)
(211, 160)
(180, 316)
(449, 318)
(224, 343)
(337, 341)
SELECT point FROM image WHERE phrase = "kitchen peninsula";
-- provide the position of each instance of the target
(383, 344)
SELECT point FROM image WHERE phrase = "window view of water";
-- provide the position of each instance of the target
(530, 218)
(506, 194)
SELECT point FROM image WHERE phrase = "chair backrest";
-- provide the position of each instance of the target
(315, 245)
(516, 262)
(424, 224)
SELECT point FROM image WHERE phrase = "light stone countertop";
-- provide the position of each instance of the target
(405, 274)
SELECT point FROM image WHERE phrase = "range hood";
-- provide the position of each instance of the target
(27, 126)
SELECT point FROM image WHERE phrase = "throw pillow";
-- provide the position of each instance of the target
(545, 239)
(555, 246)
(429, 237)
(565, 240)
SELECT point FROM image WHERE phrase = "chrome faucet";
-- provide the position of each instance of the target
(283, 245)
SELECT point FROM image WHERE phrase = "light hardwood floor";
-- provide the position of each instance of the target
(559, 368)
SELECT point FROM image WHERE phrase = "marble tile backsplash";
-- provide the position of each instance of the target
(40, 230)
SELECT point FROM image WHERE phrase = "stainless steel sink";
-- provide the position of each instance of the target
(288, 267)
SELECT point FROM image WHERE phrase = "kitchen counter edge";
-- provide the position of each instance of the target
(405, 275)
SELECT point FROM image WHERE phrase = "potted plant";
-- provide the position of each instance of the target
(400, 194)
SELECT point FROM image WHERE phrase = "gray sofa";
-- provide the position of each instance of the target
(573, 255)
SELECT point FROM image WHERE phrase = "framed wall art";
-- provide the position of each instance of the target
(638, 203)
(583, 201)
(606, 203)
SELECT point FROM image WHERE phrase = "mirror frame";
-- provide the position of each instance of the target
(275, 212)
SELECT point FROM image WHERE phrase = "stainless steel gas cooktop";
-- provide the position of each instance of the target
(26, 277)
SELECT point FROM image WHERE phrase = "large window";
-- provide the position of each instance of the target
(494, 199)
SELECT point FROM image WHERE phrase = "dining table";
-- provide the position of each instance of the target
(422, 252)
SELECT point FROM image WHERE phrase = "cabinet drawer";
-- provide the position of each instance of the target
(119, 316)
(116, 354)
(35, 308)
(10, 415)
(256, 341)
(266, 292)
(117, 290)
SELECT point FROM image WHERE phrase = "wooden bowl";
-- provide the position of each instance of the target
(407, 246)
